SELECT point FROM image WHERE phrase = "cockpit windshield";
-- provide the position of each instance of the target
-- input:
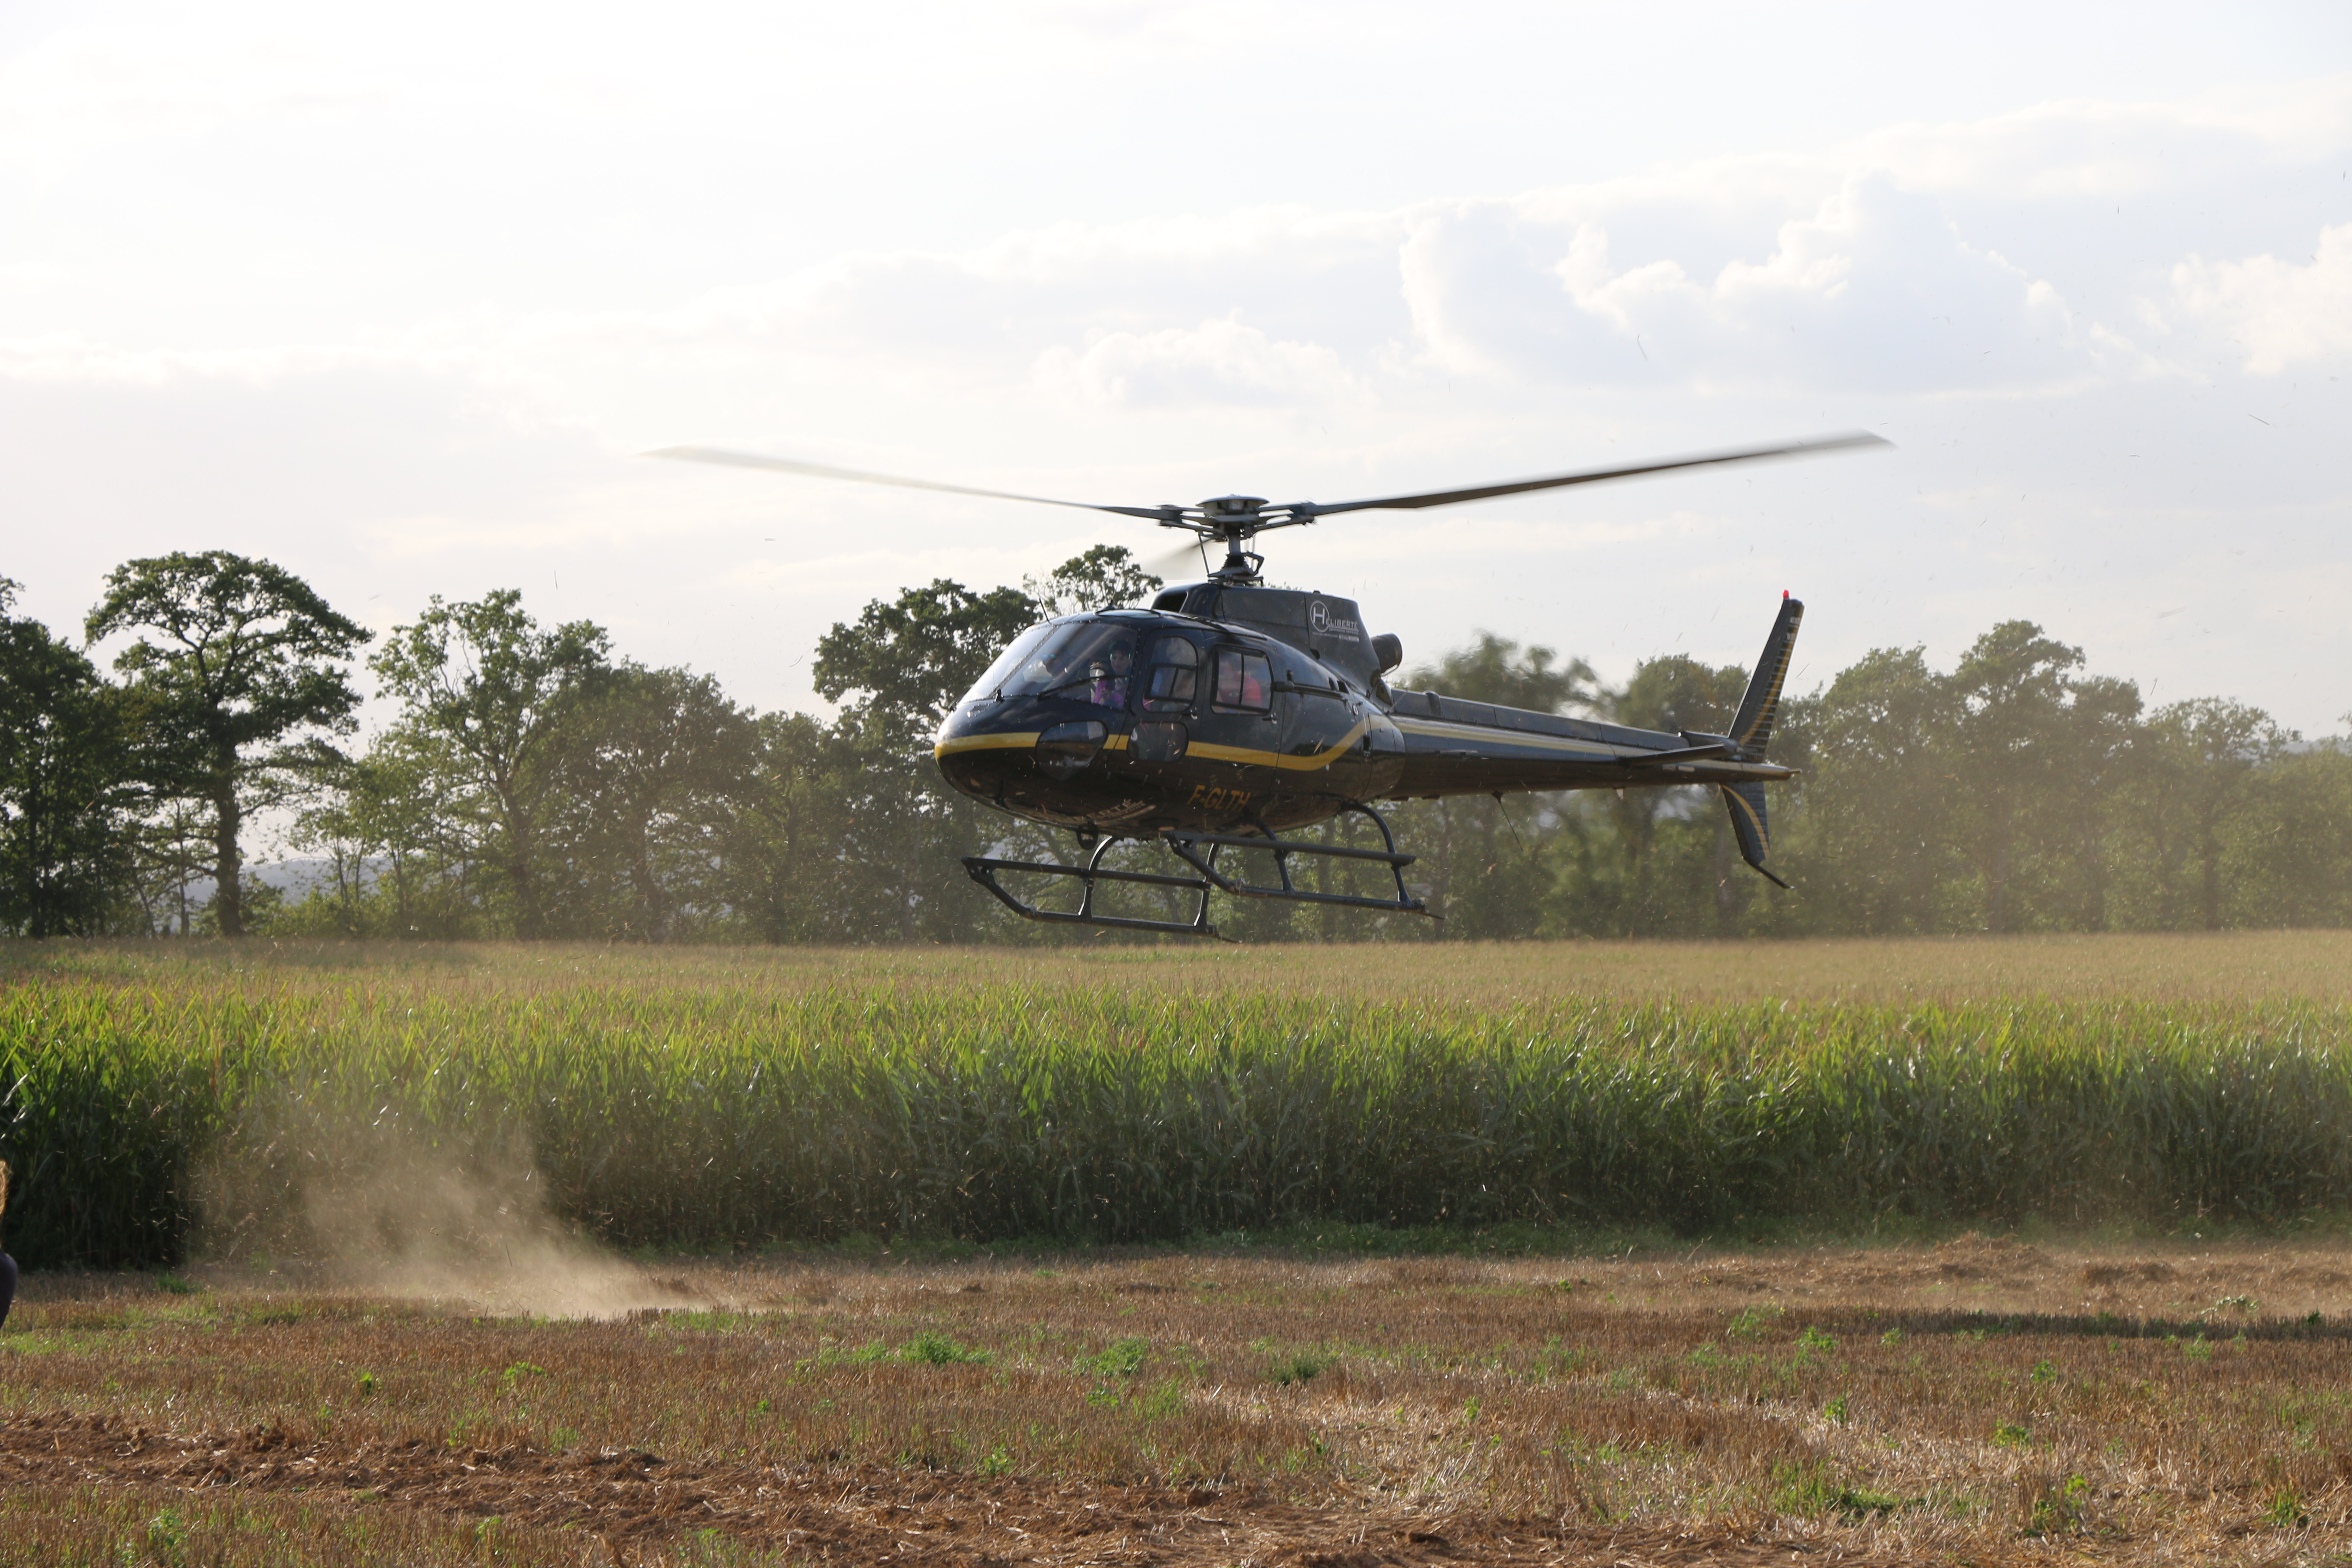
(1084, 661)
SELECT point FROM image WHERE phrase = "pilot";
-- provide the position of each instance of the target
(1110, 688)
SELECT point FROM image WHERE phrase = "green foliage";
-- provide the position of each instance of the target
(1811, 1489)
(702, 1116)
(1495, 669)
(651, 780)
(930, 1348)
(242, 655)
(397, 835)
(1105, 577)
(65, 795)
(486, 697)
(906, 662)
(1123, 1358)
(2056, 1509)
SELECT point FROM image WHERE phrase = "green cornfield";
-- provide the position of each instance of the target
(703, 1113)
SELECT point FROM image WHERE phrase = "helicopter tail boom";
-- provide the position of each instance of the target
(1455, 747)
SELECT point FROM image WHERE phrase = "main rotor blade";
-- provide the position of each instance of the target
(1805, 448)
(818, 470)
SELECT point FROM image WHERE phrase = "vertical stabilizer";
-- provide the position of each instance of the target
(1751, 826)
(1751, 731)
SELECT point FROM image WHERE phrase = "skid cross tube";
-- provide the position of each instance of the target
(1186, 846)
(983, 870)
(1189, 848)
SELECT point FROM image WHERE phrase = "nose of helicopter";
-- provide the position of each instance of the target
(978, 747)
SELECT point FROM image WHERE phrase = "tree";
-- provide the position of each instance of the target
(908, 661)
(788, 876)
(2286, 849)
(1495, 669)
(2197, 761)
(657, 762)
(246, 656)
(1674, 693)
(2094, 756)
(1874, 830)
(1104, 578)
(66, 789)
(2012, 686)
(1484, 857)
(486, 694)
(394, 830)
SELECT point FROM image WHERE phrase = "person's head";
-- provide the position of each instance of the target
(1121, 656)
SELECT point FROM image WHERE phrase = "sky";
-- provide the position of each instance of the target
(396, 297)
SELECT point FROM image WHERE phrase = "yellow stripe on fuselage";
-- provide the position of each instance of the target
(1006, 741)
(1246, 755)
(1257, 758)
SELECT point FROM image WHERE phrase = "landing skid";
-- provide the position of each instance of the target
(1189, 848)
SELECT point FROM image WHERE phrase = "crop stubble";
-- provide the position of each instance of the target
(1980, 1400)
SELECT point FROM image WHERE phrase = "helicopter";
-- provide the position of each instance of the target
(1229, 714)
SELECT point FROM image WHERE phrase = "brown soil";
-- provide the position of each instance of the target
(1985, 1400)
(625, 1502)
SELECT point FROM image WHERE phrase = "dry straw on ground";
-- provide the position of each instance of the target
(1981, 1401)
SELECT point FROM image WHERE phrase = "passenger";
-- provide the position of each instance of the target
(1109, 687)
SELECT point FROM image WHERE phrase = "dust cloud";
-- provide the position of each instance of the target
(379, 1210)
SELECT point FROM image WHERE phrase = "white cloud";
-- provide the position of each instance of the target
(1220, 362)
(2278, 314)
(1871, 290)
(349, 442)
(2088, 151)
(1868, 288)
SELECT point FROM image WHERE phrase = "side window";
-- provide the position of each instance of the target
(1243, 681)
(1175, 676)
